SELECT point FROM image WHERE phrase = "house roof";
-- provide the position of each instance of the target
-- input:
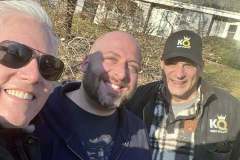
(229, 5)
(198, 7)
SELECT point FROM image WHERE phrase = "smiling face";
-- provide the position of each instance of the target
(111, 71)
(181, 76)
(23, 91)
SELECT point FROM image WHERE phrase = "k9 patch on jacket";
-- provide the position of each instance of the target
(218, 124)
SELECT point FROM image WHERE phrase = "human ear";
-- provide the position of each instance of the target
(161, 63)
(84, 64)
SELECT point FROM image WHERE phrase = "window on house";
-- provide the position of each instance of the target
(231, 31)
(89, 9)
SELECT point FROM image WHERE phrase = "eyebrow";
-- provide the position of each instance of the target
(134, 61)
(130, 61)
(117, 55)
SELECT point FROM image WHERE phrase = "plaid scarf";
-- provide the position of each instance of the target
(172, 136)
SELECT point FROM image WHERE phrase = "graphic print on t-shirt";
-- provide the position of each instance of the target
(99, 148)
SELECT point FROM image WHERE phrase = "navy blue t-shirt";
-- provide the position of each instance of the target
(97, 133)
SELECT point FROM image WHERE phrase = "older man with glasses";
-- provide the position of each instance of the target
(27, 67)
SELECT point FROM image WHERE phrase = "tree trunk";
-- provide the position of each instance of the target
(71, 5)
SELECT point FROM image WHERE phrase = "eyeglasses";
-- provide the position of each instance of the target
(16, 55)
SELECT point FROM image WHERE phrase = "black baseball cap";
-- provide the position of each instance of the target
(184, 43)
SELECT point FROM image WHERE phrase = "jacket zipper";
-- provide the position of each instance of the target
(197, 133)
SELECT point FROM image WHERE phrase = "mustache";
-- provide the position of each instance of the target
(121, 83)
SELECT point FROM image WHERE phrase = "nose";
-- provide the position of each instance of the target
(121, 73)
(180, 72)
(30, 72)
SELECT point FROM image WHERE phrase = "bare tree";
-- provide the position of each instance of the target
(71, 5)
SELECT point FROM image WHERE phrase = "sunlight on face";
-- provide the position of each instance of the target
(181, 76)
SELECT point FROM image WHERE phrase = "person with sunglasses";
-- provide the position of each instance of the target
(28, 66)
(87, 120)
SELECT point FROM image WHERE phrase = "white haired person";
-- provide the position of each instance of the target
(27, 68)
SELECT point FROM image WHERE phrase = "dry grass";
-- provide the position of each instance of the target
(224, 77)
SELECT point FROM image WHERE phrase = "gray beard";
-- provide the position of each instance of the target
(105, 101)
(109, 102)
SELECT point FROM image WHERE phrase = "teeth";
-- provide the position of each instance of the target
(20, 94)
(114, 86)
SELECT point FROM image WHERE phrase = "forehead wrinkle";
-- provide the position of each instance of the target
(113, 53)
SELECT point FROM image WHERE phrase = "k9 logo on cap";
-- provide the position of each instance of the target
(184, 43)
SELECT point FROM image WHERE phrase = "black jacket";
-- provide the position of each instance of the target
(218, 125)
(16, 144)
(60, 141)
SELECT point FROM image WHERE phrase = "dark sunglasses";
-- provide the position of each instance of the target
(16, 55)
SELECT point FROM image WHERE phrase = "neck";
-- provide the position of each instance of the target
(83, 101)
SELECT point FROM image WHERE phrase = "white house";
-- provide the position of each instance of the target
(166, 16)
